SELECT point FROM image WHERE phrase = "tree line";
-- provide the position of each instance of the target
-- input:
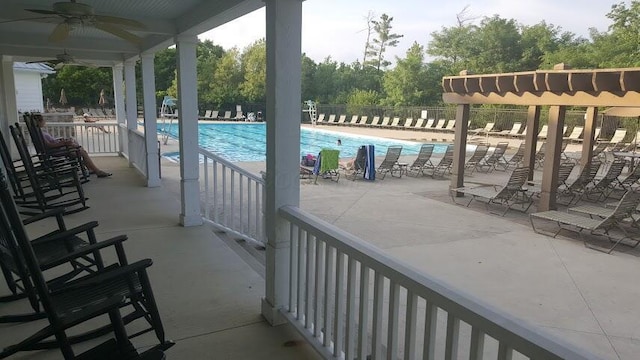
(494, 44)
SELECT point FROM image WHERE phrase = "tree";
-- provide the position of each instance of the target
(309, 69)
(360, 99)
(384, 40)
(82, 85)
(369, 29)
(226, 80)
(404, 85)
(254, 69)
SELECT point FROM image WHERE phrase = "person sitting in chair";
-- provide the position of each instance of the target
(87, 118)
(54, 143)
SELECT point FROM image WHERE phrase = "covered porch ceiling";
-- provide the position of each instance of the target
(24, 34)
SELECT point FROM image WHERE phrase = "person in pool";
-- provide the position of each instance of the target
(55, 143)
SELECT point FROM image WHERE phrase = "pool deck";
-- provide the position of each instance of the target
(580, 295)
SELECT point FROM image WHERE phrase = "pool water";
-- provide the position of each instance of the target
(238, 142)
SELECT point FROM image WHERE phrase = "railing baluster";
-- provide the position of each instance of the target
(363, 326)
(352, 314)
(250, 205)
(214, 166)
(232, 194)
(378, 308)
(293, 264)
(328, 287)
(477, 344)
(430, 324)
(241, 203)
(309, 293)
(225, 214)
(411, 326)
(339, 305)
(392, 325)
(206, 186)
(302, 237)
(453, 332)
(317, 304)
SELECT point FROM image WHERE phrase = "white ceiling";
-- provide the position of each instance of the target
(27, 38)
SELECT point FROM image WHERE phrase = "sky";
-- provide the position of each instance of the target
(336, 28)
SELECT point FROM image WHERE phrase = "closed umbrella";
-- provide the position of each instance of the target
(63, 98)
(103, 101)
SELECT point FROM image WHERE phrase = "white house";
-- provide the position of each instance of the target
(28, 82)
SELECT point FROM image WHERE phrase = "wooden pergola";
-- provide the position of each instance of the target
(557, 88)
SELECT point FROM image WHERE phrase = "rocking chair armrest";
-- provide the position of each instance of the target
(59, 235)
(115, 241)
(139, 266)
(58, 212)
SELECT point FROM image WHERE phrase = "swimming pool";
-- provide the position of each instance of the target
(247, 141)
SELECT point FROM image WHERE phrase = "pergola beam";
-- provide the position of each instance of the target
(578, 98)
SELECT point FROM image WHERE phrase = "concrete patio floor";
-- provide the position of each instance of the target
(209, 296)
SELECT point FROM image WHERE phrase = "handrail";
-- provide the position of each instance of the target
(511, 333)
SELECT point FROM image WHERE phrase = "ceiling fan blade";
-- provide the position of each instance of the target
(60, 33)
(120, 21)
(119, 32)
(42, 61)
(29, 19)
(59, 65)
(45, 12)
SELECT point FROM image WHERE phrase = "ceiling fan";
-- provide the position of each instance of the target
(75, 14)
(62, 60)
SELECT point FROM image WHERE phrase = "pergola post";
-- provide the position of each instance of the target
(552, 158)
(588, 138)
(188, 127)
(8, 104)
(531, 138)
(118, 99)
(131, 102)
(150, 120)
(460, 149)
(284, 73)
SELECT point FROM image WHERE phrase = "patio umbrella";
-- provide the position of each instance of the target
(102, 102)
(63, 98)
(626, 111)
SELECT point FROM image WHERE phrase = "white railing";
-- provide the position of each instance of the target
(95, 138)
(137, 150)
(352, 301)
(232, 198)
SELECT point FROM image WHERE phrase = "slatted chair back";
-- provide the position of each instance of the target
(496, 157)
(445, 163)
(514, 185)
(599, 148)
(10, 167)
(625, 208)
(564, 171)
(478, 154)
(517, 157)
(586, 176)
(631, 179)
(392, 156)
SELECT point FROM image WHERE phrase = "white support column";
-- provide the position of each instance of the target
(150, 120)
(283, 36)
(8, 105)
(188, 127)
(131, 102)
(118, 98)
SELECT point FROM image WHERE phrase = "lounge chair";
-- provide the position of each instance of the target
(445, 164)
(579, 185)
(429, 124)
(422, 161)
(390, 162)
(207, 115)
(618, 136)
(418, 124)
(450, 125)
(395, 122)
(408, 122)
(363, 165)
(354, 119)
(495, 159)
(320, 119)
(327, 165)
(332, 119)
(481, 131)
(543, 132)
(575, 133)
(227, 115)
(564, 171)
(508, 195)
(439, 125)
(605, 227)
(341, 119)
(605, 186)
(515, 129)
(375, 121)
(363, 120)
(476, 158)
(517, 158)
(386, 121)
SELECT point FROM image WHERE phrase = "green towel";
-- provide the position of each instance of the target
(330, 159)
